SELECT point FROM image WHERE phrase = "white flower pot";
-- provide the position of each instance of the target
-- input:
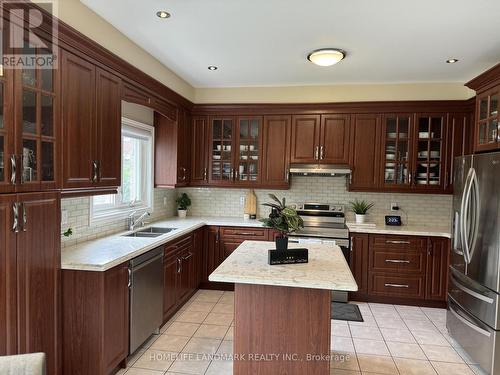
(360, 219)
(182, 213)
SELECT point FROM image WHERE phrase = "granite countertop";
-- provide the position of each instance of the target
(406, 230)
(107, 252)
(327, 268)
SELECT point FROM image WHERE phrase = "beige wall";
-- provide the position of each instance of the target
(92, 25)
(96, 28)
(138, 113)
(337, 93)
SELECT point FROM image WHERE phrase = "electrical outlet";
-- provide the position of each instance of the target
(164, 201)
(395, 206)
(242, 200)
(64, 217)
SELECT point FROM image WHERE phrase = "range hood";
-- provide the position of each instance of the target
(320, 169)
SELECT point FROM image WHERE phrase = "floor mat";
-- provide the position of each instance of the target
(346, 311)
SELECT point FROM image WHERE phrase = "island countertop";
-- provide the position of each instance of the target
(326, 269)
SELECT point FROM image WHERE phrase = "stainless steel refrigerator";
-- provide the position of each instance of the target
(474, 280)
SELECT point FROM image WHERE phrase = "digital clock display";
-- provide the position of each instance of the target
(393, 220)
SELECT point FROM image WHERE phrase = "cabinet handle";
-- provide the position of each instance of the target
(245, 234)
(396, 261)
(25, 217)
(429, 247)
(352, 244)
(399, 242)
(99, 170)
(15, 215)
(205, 174)
(184, 170)
(236, 174)
(187, 256)
(321, 152)
(13, 169)
(396, 285)
(129, 282)
(94, 171)
(179, 265)
(287, 175)
(316, 153)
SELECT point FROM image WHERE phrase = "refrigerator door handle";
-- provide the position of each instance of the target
(464, 216)
(456, 234)
(474, 201)
(469, 323)
(456, 282)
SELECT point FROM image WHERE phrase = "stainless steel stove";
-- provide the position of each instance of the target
(324, 223)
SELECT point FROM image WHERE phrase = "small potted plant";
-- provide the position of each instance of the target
(183, 202)
(283, 219)
(360, 208)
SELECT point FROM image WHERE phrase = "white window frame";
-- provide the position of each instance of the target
(122, 211)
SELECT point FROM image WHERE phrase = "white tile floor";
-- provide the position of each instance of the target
(393, 339)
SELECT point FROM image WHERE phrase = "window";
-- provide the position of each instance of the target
(136, 191)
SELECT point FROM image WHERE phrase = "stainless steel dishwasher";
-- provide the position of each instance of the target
(146, 296)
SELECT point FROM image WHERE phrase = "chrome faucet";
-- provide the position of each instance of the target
(132, 222)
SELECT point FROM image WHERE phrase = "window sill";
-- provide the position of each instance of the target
(117, 214)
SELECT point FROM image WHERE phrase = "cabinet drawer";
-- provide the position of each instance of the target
(178, 244)
(257, 234)
(387, 242)
(397, 285)
(398, 261)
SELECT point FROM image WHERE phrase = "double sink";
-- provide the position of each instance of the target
(150, 232)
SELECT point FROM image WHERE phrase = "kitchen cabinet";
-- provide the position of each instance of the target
(358, 261)
(276, 150)
(460, 143)
(438, 250)
(91, 113)
(199, 150)
(235, 151)
(95, 320)
(30, 265)
(487, 124)
(133, 94)
(29, 128)
(178, 268)
(196, 271)
(320, 139)
(365, 152)
(212, 253)
(172, 150)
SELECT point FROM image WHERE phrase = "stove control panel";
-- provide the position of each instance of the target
(340, 208)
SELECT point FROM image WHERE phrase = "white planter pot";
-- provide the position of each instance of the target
(182, 213)
(360, 219)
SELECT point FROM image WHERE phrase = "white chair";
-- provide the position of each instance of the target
(23, 364)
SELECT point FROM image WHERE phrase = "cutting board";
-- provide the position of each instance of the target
(251, 203)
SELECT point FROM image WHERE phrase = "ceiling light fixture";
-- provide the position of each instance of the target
(163, 14)
(212, 67)
(451, 61)
(326, 56)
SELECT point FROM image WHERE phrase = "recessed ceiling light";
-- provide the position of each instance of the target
(163, 14)
(326, 56)
(212, 67)
(451, 61)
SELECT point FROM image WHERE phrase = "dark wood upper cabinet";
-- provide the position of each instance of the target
(276, 150)
(172, 151)
(133, 94)
(79, 132)
(91, 108)
(305, 139)
(199, 150)
(335, 139)
(38, 260)
(365, 152)
(437, 268)
(109, 129)
(459, 143)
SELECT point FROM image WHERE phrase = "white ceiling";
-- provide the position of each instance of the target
(265, 42)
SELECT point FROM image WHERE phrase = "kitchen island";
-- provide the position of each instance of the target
(282, 312)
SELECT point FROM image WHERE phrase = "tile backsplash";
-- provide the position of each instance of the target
(422, 209)
(78, 211)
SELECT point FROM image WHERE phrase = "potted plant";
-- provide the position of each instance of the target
(283, 219)
(183, 202)
(360, 208)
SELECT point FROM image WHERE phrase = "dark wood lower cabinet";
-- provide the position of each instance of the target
(95, 320)
(400, 269)
(30, 276)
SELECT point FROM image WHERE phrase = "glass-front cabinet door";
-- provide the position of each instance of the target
(221, 150)
(248, 150)
(397, 150)
(488, 134)
(430, 153)
(35, 126)
(7, 156)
